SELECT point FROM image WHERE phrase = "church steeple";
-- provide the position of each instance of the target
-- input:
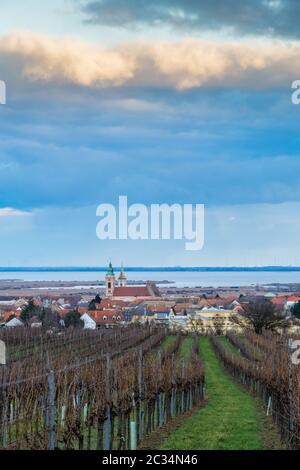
(110, 270)
(122, 278)
(110, 281)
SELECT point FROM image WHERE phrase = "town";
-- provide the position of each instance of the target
(116, 302)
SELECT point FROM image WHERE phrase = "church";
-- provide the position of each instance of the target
(117, 289)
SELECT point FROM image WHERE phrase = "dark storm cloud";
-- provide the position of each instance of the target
(258, 17)
(83, 148)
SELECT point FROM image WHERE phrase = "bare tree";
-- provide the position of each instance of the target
(218, 325)
(261, 315)
(196, 325)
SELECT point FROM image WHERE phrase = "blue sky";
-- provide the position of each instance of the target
(160, 101)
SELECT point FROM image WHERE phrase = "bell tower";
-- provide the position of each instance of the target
(122, 278)
(110, 281)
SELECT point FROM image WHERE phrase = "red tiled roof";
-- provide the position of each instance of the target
(158, 308)
(82, 309)
(223, 300)
(103, 303)
(107, 316)
(280, 299)
(5, 315)
(293, 298)
(64, 311)
(238, 308)
(132, 291)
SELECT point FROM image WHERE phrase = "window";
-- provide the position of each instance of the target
(104, 317)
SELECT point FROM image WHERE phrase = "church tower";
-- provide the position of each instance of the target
(122, 278)
(110, 281)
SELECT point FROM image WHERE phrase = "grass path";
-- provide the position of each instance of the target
(231, 420)
(167, 342)
(186, 348)
(227, 344)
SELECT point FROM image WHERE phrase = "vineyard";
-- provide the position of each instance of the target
(262, 363)
(94, 389)
(112, 389)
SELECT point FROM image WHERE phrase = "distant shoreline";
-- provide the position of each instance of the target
(153, 269)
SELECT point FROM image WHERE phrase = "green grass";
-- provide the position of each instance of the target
(167, 342)
(231, 420)
(228, 345)
(185, 350)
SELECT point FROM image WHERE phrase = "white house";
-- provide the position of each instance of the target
(178, 321)
(13, 323)
(89, 322)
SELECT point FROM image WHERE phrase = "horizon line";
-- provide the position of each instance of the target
(150, 268)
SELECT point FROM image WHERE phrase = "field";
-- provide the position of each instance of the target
(94, 390)
(143, 387)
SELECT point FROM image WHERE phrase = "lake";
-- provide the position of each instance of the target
(180, 278)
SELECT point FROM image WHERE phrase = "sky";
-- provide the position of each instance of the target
(170, 101)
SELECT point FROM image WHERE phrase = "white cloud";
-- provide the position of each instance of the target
(10, 212)
(66, 60)
(184, 64)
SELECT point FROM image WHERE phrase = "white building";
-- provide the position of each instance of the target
(13, 323)
(89, 323)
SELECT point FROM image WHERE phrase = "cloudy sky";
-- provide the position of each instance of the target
(169, 101)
